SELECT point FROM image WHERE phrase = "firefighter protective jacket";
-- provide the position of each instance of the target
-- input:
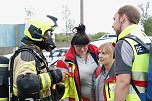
(25, 68)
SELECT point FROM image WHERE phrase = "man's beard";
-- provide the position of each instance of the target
(119, 30)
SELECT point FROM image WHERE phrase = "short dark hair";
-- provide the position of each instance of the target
(132, 13)
(80, 37)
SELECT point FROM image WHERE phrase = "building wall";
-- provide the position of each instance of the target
(11, 34)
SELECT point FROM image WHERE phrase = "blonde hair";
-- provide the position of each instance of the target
(107, 47)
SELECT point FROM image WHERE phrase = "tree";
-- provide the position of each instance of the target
(29, 12)
(97, 35)
(144, 9)
(146, 19)
(148, 26)
(69, 23)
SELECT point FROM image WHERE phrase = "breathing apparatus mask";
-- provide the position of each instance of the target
(47, 42)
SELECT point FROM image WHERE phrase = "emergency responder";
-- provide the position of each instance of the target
(80, 61)
(102, 87)
(32, 78)
(131, 62)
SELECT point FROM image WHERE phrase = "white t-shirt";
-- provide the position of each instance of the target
(86, 70)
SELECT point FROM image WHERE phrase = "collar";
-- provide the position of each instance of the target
(70, 55)
(126, 31)
(34, 47)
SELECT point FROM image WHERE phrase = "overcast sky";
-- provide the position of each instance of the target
(98, 14)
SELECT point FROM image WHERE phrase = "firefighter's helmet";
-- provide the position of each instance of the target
(36, 27)
(38, 31)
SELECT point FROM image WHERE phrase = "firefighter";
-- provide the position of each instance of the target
(80, 61)
(32, 79)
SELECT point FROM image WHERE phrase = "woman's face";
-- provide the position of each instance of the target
(104, 57)
(81, 49)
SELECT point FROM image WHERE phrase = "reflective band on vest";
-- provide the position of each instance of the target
(132, 91)
(15, 90)
(46, 81)
(4, 65)
(3, 99)
(71, 69)
(140, 83)
(25, 65)
(139, 76)
(63, 69)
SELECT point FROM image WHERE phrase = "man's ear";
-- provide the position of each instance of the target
(123, 18)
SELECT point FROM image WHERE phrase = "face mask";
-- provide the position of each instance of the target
(50, 44)
(48, 41)
(46, 44)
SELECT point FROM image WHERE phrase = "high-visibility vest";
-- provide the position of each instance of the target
(140, 63)
(70, 91)
(109, 89)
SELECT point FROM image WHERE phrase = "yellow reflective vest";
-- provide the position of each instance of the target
(140, 63)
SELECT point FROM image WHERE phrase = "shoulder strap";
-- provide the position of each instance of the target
(138, 41)
(37, 57)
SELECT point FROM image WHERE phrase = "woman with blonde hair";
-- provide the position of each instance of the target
(102, 88)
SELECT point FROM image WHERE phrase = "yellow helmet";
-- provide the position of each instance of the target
(36, 27)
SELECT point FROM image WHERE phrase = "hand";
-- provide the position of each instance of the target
(54, 87)
(65, 75)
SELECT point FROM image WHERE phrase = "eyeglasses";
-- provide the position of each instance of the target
(79, 47)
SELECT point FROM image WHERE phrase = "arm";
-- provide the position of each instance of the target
(31, 83)
(27, 79)
(123, 65)
(122, 87)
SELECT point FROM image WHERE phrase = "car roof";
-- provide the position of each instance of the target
(63, 48)
(101, 41)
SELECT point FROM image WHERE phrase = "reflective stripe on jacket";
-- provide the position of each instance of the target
(3, 99)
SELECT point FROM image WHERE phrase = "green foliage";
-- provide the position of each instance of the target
(148, 26)
(96, 36)
(63, 38)
(68, 37)
(146, 19)
(144, 7)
